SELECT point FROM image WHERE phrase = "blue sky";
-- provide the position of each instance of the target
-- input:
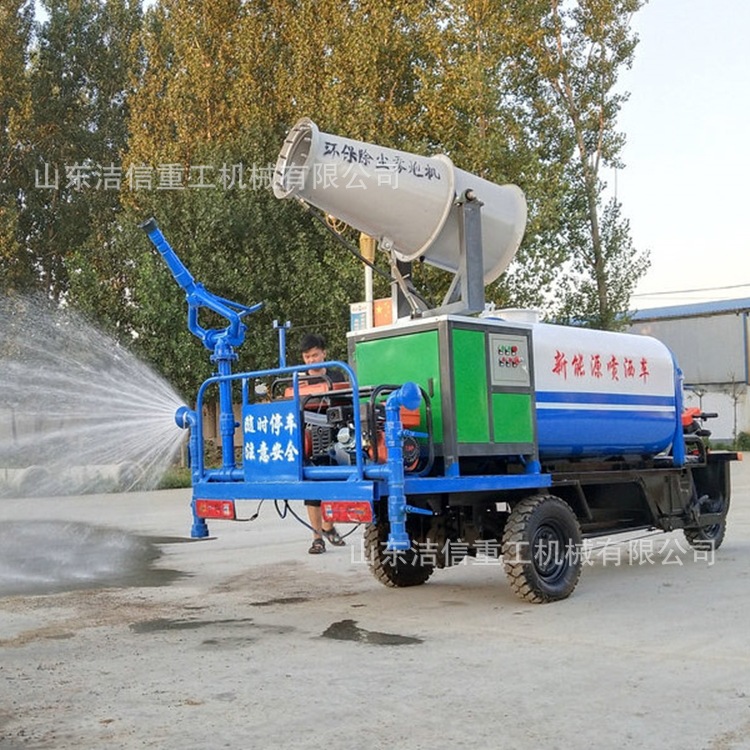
(685, 184)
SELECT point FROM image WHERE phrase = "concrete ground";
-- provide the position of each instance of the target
(244, 640)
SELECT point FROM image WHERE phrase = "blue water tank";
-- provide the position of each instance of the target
(600, 393)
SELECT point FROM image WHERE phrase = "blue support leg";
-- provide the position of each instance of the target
(199, 529)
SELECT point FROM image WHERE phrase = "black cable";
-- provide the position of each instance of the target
(343, 242)
(254, 516)
(288, 509)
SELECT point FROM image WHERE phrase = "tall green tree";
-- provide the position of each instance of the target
(221, 84)
(571, 79)
(191, 100)
(475, 107)
(197, 112)
(78, 79)
(16, 21)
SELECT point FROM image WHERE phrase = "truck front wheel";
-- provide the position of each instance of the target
(398, 568)
(542, 549)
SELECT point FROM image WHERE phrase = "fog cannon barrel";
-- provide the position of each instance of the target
(406, 201)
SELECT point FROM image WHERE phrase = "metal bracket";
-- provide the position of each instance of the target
(408, 301)
(466, 292)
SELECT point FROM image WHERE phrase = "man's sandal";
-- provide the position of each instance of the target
(317, 547)
(333, 537)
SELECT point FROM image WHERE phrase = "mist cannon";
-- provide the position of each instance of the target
(414, 205)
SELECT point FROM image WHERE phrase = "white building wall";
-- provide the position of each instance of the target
(712, 352)
(733, 418)
(708, 349)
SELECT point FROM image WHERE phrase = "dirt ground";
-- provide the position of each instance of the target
(244, 640)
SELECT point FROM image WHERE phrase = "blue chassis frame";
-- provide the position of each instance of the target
(365, 482)
(361, 481)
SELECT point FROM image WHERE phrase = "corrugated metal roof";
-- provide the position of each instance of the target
(698, 309)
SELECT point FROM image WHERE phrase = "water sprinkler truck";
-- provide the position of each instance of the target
(458, 431)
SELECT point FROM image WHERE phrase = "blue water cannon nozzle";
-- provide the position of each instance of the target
(185, 418)
(199, 297)
(148, 226)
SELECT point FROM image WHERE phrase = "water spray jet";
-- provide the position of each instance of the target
(78, 412)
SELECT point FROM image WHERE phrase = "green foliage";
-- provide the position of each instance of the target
(73, 128)
(622, 266)
(15, 103)
(175, 478)
(570, 78)
(204, 92)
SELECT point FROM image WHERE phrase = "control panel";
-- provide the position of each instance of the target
(509, 359)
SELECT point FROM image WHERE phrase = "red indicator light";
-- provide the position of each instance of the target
(215, 509)
(346, 511)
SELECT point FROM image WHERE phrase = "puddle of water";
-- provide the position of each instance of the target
(232, 633)
(45, 557)
(227, 644)
(348, 630)
(178, 540)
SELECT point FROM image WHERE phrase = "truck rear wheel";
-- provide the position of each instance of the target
(542, 549)
(709, 537)
(396, 569)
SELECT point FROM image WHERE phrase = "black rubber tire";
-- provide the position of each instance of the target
(709, 537)
(396, 570)
(542, 549)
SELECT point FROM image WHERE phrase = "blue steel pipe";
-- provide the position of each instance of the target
(181, 275)
(219, 340)
(197, 296)
(282, 328)
(224, 356)
(188, 419)
(678, 443)
(408, 396)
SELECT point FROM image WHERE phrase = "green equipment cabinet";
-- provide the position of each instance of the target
(477, 373)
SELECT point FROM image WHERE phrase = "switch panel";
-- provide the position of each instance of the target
(509, 358)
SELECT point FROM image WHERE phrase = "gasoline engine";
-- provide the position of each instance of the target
(329, 428)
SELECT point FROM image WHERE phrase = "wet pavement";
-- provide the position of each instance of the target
(44, 557)
(118, 630)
